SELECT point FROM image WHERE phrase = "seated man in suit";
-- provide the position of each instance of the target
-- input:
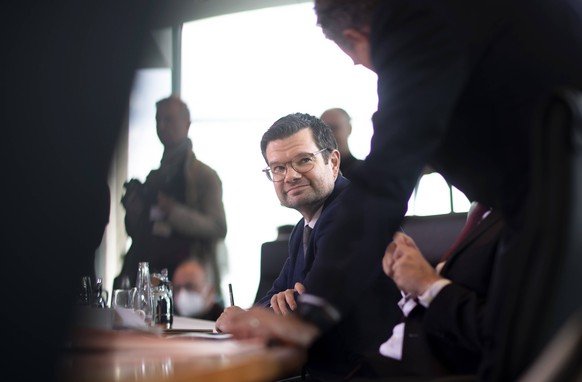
(303, 164)
(441, 332)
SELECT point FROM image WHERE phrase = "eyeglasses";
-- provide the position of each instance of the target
(302, 163)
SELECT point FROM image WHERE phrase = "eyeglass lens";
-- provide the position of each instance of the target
(301, 163)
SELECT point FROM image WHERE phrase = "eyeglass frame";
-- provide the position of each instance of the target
(268, 172)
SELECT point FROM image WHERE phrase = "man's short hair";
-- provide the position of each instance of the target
(171, 99)
(334, 16)
(290, 124)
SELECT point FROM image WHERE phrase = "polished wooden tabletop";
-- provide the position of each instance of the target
(95, 355)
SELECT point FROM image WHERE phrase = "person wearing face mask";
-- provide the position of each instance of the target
(194, 292)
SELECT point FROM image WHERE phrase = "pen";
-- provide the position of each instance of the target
(230, 294)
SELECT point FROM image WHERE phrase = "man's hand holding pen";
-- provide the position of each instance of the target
(230, 311)
(222, 323)
(262, 323)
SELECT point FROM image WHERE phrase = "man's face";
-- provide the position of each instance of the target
(171, 124)
(303, 192)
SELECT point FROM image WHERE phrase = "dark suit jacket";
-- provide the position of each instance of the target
(297, 265)
(365, 326)
(447, 337)
(459, 83)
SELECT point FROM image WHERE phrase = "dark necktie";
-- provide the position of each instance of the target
(306, 234)
(474, 217)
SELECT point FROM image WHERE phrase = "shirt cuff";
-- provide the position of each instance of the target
(426, 298)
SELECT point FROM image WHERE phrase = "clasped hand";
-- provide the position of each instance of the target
(404, 263)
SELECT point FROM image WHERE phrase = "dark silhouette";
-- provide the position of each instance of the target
(67, 80)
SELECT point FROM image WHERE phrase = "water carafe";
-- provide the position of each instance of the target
(143, 295)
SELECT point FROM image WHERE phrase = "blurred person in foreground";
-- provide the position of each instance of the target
(459, 87)
(69, 103)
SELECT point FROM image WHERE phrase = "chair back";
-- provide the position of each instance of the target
(273, 256)
(538, 286)
(434, 234)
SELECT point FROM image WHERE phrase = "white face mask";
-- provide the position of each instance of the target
(189, 303)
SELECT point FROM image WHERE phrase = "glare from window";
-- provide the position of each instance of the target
(460, 201)
(145, 149)
(434, 197)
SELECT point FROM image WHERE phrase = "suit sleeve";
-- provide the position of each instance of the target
(280, 284)
(456, 314)
(421, 71)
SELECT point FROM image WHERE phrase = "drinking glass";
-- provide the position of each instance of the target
(123, 298)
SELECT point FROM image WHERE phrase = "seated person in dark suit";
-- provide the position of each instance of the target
(441, 332)
(194, 291)
(303, 164)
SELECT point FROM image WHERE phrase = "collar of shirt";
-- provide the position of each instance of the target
(312, 222)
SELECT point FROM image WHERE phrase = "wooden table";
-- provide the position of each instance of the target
(115, 355)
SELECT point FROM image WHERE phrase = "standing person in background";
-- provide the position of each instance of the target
(460, 86)
(178, 212)
(339, 121)
(194, 291)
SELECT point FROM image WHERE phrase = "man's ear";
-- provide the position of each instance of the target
(357, 46)
(354, 37)
(335, 159)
